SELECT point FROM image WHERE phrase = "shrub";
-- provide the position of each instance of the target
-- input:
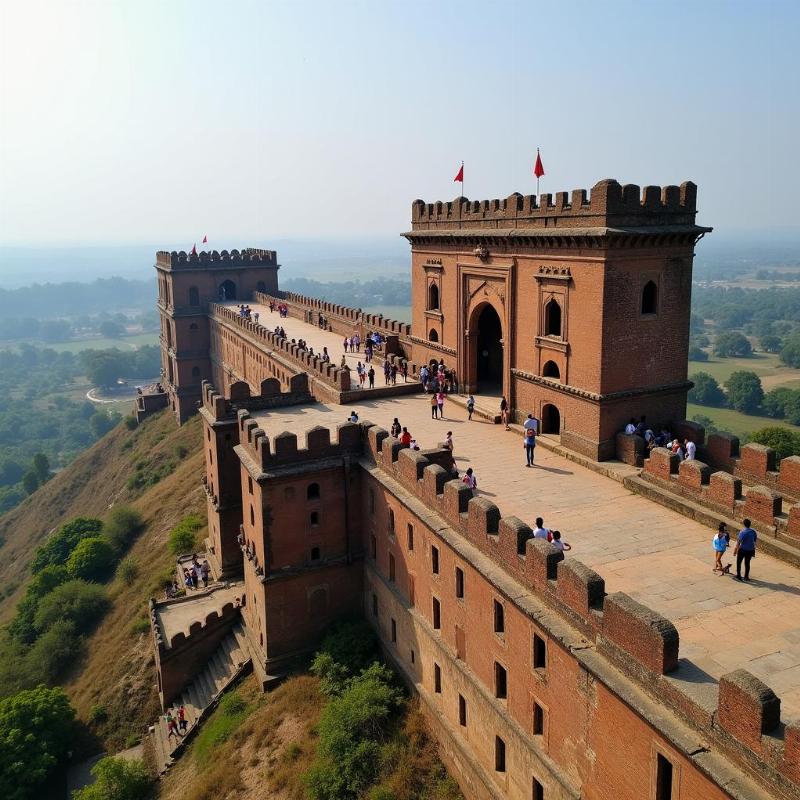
(117, 779)
(76, 600)
(53, 652)
(183, 537)
(36, 727)
(92, 559)
(783, 441)
(41, 584)
(140, 626)
(149, 473)
(697, 353)
(181, 451)
(57, 548)
(128, 569)
(123, 525)
(706, 391)
(729, 345)
(131, 423)
(775, 401)
(744, 391)
(98, 713)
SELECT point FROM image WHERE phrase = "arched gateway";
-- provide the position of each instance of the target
(485, 370)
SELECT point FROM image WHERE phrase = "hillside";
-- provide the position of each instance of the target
(114, 684)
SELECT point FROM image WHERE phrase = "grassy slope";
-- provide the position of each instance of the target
(117, 671)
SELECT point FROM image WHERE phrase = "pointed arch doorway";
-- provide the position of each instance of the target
(485, 369)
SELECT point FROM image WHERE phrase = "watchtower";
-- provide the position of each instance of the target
(186, 285)
(573, 307)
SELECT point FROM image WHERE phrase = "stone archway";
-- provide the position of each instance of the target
(551, 419)
(485, 368)
(227, 290)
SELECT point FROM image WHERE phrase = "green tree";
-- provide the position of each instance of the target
(707, 423)
(53, 652)
(790, 352)
(775, 401)
(771, 343)
(782, 440)
(122, 526)
(30, 481)
(706, 391)
(57, 548)
(792, 408)
(731, 345)
(42, 583)
(41, 465)
(36, 728)
(76, 601)
(91, 559)
(744, 391)
(697, 353)
(117, 779)
(183, 537)
(10, 472)
(110, 329)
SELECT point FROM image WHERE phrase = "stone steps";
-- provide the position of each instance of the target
(199, 697)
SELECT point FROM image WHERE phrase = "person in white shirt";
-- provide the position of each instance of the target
(531, 424)
(630, 428)
(540, 532)
(558, 544)
(691, 449)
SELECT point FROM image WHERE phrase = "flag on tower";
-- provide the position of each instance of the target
(538, 169)
(194, 249)
(460, 175)
(205, 239)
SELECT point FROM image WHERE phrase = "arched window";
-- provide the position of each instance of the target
(650, 298)
(551, 370)
(312, 492)
(315, 554)
(227, 290)
(195, 372)
(391, 521)
(194, 296)
(433, 336)
(314, 518)
(552, 318)
(433, 297)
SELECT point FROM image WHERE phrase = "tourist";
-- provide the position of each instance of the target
(343, 362)
(531, 424)
(205, 571)
(691, 449)
(630, 428)
(434, 406)
(720, 543)
(540, 532)
(172, 728)
(529, 443)
(677, 449)
(404, 370)
(412, 445)
(448, 441)
(470, 407)
(346, 344)
(182, 721)
(641, 427)
(745, 550)
(440, 403)
(558, 544)
(371, 376)
(353, 416)
(255, 317)
(423, 377)
(386, 371)
(470, 480)
(405, 438)
(362, 374)
(504, 412)
(325, 357)
(393, 374)
(395, 429)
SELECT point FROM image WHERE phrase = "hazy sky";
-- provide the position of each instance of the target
(161, 120)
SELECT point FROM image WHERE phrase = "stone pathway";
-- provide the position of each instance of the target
(659, 557)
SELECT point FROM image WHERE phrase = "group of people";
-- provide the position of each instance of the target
(744, 549)
(176, 722)
(438, 378)
(281, 308)
(196, 572)
(247, 313)
(685, 449)
(554, 537)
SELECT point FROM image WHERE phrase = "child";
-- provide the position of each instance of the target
(470, 480)
(434, 406)
(440, 403)
(470, 406)
(720, 543)
(557, 543)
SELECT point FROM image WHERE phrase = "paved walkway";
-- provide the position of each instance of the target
(177, 615)
(659, 557)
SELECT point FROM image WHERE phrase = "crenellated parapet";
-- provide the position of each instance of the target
(609, 204)
(249, 257)
(220, 408)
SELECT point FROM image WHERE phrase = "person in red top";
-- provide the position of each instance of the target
(405, 438)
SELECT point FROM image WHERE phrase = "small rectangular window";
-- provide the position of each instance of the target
(371, 501)
(499, 618)
(500, 681)
(394, 631)
(437, 614)
(413, 657)
(539, 652)
(249, 484)
(462, 712)
(374, 605)
(437, 679)
(435, 560)
(391, 568)
(410, 535)
(538, 790)
(373, 547)
(538, 720)
(663, 778)
(499, 754)
(459, 583)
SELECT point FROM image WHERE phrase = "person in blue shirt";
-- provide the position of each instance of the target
(745, 550)
(720, 543)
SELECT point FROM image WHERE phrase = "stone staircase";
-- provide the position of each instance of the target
(199, 697)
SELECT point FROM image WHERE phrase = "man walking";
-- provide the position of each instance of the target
(745, 550)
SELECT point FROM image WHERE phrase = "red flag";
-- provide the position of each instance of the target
(205, 240)
(194, 249)
(460, 176)
(538, 169)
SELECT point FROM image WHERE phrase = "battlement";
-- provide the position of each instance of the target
(609, 204)
(249, 257)
(221, 408)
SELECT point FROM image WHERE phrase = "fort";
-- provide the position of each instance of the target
(626, 669)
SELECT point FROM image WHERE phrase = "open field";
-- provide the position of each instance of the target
(767, 366)
(726, 419)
